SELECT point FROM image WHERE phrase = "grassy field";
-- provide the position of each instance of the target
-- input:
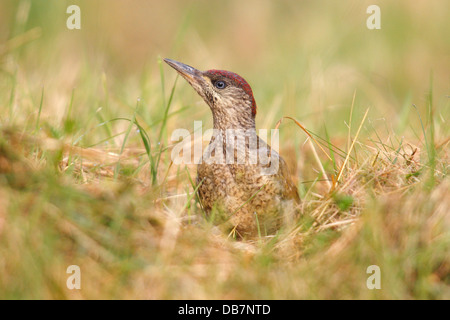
(86, 118)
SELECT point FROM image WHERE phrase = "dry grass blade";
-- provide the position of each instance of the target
(349, 138)
(351, 147)
(306, 131)
(316, 156)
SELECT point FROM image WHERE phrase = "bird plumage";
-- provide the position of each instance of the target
(251, 196)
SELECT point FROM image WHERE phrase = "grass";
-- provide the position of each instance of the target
(86, 177)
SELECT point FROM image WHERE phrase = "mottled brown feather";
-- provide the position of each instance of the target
(241, 196)
(244, 196)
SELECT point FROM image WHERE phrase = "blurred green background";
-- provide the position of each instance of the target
(303, 58)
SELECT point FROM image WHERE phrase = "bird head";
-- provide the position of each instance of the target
(228, 95)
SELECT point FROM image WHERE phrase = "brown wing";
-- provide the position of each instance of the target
(290, 190)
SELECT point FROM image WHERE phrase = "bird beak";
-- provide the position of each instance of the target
(192, 75)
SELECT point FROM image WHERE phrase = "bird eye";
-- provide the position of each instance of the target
(220, 84)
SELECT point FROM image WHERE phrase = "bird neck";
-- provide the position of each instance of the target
(232, 120)
(229, 129)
